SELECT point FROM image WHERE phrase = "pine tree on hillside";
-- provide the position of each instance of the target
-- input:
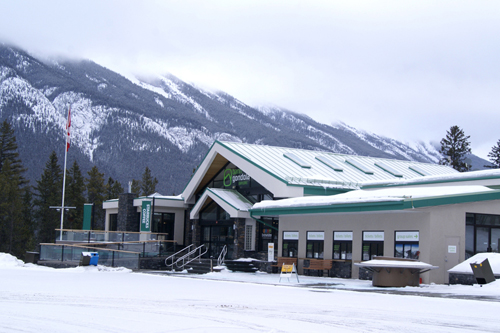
(113, 189)
(8, 151)
(136, 187)
(148, 183)
(454, 148)
(10, 207)
(26, 240)
(494, 156)
(74, 197)
(48, 192)
(95, 194)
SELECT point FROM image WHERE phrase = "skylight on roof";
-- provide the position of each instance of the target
(297, 160)
(360, 167)
(389, 169)
(329, 162)
(418, 170)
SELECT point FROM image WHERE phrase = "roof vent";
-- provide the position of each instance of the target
(297, 160)
(360, 166)
(389, 169)
(329, 162)
(418, 170)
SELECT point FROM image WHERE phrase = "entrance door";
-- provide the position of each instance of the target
(215, 237)
(452, 255)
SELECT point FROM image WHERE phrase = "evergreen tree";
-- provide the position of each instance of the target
(8, 151)
(148, 183)
(454, 148)
(95, 194)
(74, 197)
(113, 189)
(136, 187)
(494, 156)
(26, 241)
(10, 207)
(48, 193)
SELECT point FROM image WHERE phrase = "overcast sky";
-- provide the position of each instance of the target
(408, 70)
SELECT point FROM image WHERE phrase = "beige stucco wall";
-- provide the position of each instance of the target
(434, 224)
(179, 221)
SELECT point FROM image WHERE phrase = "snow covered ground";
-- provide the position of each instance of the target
(101, 299)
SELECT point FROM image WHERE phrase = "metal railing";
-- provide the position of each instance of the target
(91, 236)
(176, 255)
(188, 257)
(151, 248)
(73, 253)
(222, 256)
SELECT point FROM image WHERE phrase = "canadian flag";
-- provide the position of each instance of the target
(68, 125)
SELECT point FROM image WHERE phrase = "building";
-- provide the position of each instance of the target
(320, 205)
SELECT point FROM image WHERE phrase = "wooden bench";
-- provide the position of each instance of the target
(286, 261)
(319, 265)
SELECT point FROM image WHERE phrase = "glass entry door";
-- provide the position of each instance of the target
(215, 237)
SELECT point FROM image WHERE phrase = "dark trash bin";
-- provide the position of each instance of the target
(89, 258)
(482, 272)
(31, 257)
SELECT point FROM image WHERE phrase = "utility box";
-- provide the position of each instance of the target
(482, 272)
(89, 258)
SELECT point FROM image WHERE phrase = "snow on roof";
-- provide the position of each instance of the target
(450, 177)
(376, 195)
(233, 198)
(314, 171)
(396, 263)
(157, 195)
(464, 266)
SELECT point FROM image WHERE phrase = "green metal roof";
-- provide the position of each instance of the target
(276, 162)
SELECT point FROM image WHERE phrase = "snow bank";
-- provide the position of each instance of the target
(464, 267)
(7, 260)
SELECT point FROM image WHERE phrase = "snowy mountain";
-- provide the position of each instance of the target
(123, 125)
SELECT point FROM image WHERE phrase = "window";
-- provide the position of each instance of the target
(164, 223)
(290, 244)
(373, 244)
(315, 244)
(406, 244)
(113, 222)
(266, 234)
(342, 245)
(482, 233)
(248, 237)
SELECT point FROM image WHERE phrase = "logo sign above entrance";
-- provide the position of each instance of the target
(373, 236)
(146, 216)
(234, 177)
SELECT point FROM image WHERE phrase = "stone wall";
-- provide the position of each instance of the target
(127, 213)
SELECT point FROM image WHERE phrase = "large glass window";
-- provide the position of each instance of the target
(373, 245)
(290, 244)
(164, 223)
(266, 234)
(482, 233)
(342, 245)
(315, 244)
(406, 244)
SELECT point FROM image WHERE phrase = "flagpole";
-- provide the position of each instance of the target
(68, 124)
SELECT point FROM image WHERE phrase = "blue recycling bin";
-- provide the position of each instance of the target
(94, 258)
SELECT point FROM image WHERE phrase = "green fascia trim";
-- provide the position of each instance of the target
(264, 223)
(253, 163)
(408, 203)
(309, 190)
(430, 182)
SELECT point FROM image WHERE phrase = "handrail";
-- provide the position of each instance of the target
(172, 257)
(222, 256)
(187, 255)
